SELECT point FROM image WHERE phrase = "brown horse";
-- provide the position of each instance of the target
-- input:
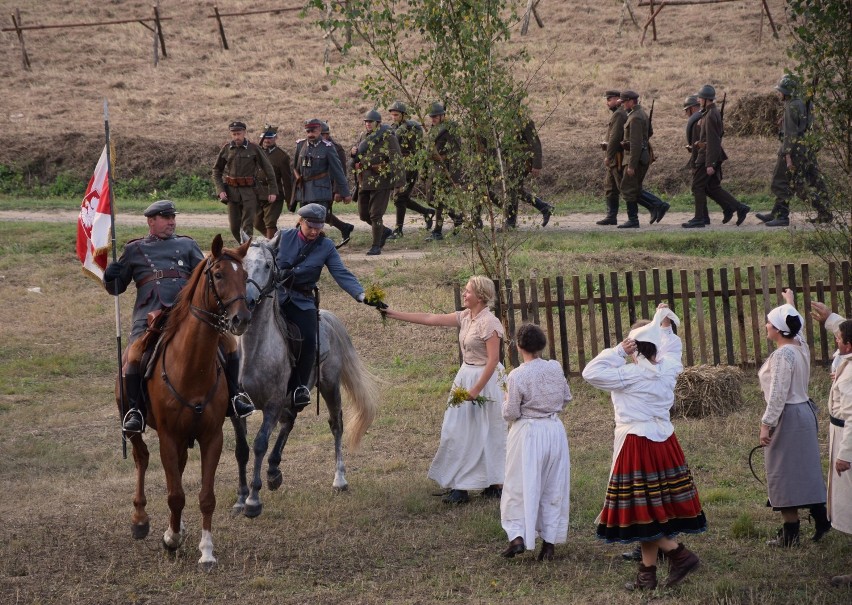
(188, 393)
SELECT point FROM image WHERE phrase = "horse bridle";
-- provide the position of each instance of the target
(265, 290)
(218, 321)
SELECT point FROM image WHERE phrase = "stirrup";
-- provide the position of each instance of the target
(129, 426)
(242, 405)
(301, 397)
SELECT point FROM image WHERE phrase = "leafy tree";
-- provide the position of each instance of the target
(455, 52)
(822, 49)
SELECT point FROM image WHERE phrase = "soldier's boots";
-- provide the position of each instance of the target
(611, 217)
(764, 217)
(631, 223)
(346, 231)
(658, 212)
(693, 223)
(134, 419)
(397, 233)
(781, 221)
(429, 217)
(435, 236)
(608, 220)
(545, 209)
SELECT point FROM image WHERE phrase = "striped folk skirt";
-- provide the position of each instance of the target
(651, 494)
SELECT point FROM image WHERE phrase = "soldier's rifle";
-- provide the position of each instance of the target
(651, 120)
(722, 112)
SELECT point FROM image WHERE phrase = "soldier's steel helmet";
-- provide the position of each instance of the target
(787, 85)
(436, 110)
(690, 101)
(313, 123)
(161, 208)
(324, 128)
(707, 92)
(372, 116)
(398, 106)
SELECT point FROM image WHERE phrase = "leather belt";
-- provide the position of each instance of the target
(305, 291)
(164, 274)
(315, 177)
(836, 421)
(239, 181)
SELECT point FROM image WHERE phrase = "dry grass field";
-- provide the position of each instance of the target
(173, 117)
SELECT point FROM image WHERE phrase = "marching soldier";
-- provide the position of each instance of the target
(266, 220)
(613, 157)
(409, 133)
(377, 160)
(796, 171)
(530, 147)
(234, 178)
(159, 264)
(692, 110)
(708, 156)
(637, 156)
(320, 175)
(345, 228)
(445, 147)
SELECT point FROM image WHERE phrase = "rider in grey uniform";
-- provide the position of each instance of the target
(159, 264)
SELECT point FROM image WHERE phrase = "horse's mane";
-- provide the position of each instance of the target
(180, 310)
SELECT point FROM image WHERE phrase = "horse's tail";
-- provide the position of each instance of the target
(359, 382)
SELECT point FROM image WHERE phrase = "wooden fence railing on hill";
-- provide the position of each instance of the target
(723, 312)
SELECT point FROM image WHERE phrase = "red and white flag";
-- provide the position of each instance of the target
(94, 229)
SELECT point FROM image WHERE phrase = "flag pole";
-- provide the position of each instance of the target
(121, 396)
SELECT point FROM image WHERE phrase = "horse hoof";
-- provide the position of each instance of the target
(237, 510)
(274, 481)
(139, 531)
(253, 510)
(207, 566)
(341, 488)
(170, 549)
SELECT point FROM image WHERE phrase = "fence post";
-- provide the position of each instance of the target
(16, 21)
(159, 28)
(221, 28)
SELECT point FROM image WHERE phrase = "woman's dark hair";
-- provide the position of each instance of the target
(795, 324)
(530, 338)
(647, 349)
(845, 330)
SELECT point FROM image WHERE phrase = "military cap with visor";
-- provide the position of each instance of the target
(313, 123)
(313, 214)
(269, 132)
(161, 208)
(236, 125)
(612, 93)
(628, 95)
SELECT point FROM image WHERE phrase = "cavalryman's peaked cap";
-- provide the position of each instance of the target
(269, 132)
(313, 122)
(236, 125)
(314, 213)
(161, 208)
(628, 95)
(612, 93)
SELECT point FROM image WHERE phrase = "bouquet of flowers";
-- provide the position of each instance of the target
(459, 395)
(375, 297)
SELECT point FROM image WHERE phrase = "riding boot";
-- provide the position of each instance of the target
(821, 522)
(134, 418)
(240, 404)
(611, 217)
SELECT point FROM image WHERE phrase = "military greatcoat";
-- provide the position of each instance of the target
(318, 168)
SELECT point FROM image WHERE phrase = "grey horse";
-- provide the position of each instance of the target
(265, 367)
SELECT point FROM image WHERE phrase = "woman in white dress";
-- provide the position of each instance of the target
(538, 467)
(472, 452)
(788, 428)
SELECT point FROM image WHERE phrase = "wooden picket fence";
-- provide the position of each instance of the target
(723, 312)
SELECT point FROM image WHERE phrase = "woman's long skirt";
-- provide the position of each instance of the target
(538, 478)
(472, 452)
(651, 494)
(793, 470)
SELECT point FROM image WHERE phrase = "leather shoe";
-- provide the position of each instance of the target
(386, 233)
(133, 421)
(435, 236)
(727, 215)
(545, 215)
(346, 232)
(492, 491)
(243, 405)
(428, 216)
(374, 251)
(456, 496)
(695, 223)
(764, 217)
(661, 211)
(546, 552)
(610, 220)
(516, 547)
(301, 398)
(632, 223)
(778, 222)
(742, 211)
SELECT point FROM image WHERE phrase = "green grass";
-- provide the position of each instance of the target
(388, 540)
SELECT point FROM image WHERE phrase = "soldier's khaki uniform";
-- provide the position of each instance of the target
(530, 148)
(268, 212)
(708, 152)
(445, 171)
(381, 171)
(234, 173)
(409, 133)
(637, 157)
(804, 180)
(614, 155)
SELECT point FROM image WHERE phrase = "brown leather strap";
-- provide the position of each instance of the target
(165, 274)
(239, 181)
(315, 177)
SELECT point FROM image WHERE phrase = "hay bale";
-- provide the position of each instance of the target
(754, 114)
(703, 391)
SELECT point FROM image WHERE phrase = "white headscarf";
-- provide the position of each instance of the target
(651, 332)
(778, 318)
